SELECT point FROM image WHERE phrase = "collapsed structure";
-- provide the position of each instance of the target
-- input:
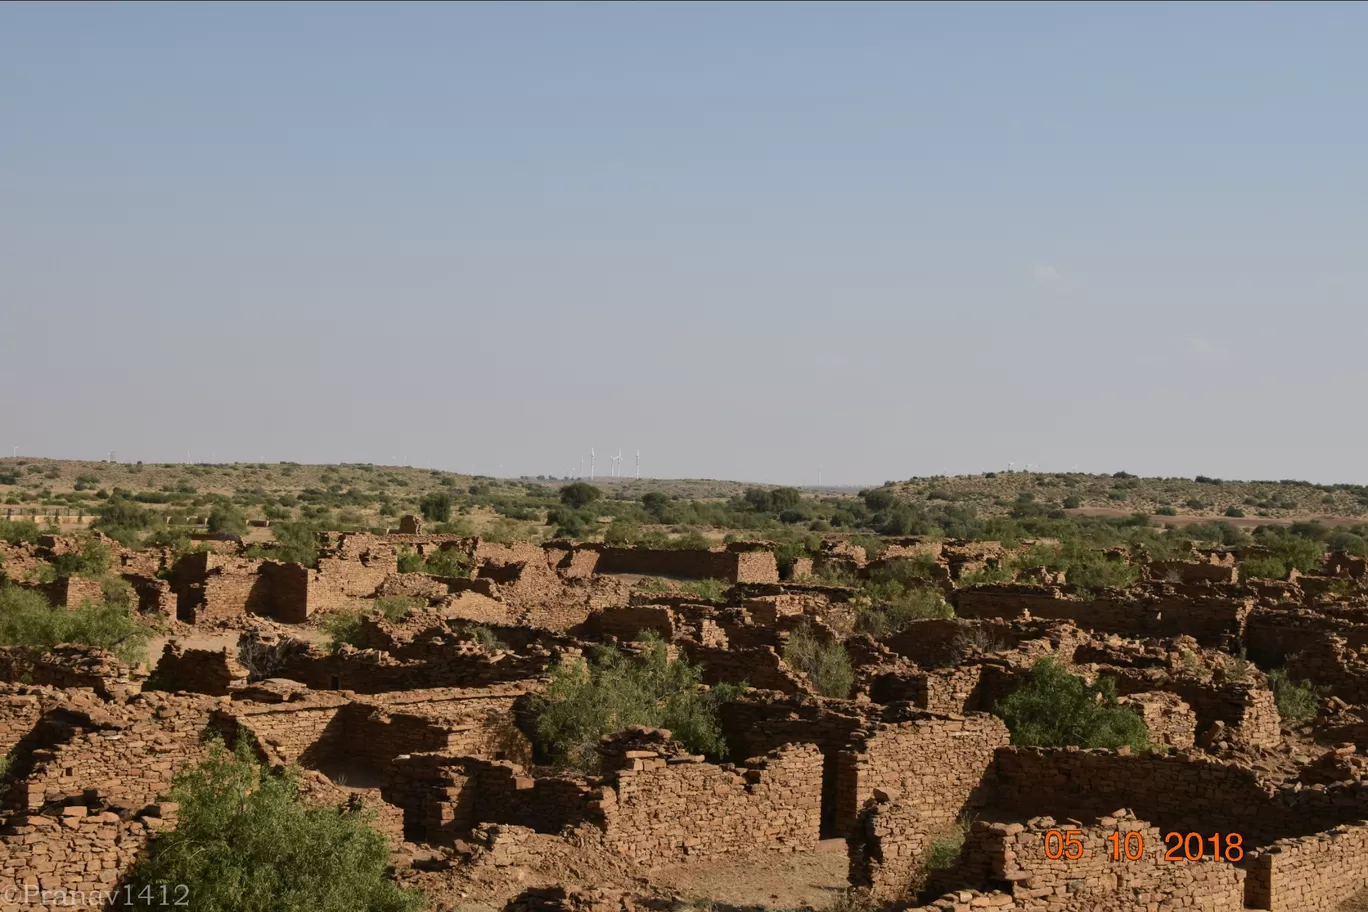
(427, 723)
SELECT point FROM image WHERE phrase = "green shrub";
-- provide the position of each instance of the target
(435, 507)
(245, 842)
(342, 627)
(1299, 701)
(986, 575)
(398, 608)
(1073, 502)
(92, 560)
(587, 699)
(827, 665)
(451, 563)
(410, 561)
(297, 542)
(19, 531)
(26, 619)
(1166, 511)
(122, 520)
(917, 568)
(1234, 512)
(888, 607)
(1059, 709)
(226, 519)
(1263, 568)
(1101, 573)
(579, 494)
(488, 639)
(623, 531)
(711, 589)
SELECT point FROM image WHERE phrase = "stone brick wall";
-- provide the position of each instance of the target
(668, 805)
(205, 671)
(1211, 620)
(82, 854)
(1180, 792)
(1311, 873)
(68, 667)
(887, 849)
(933, 763)
(370, 672)
(1015, 853)
(72, 591)
(1246, 713)
(943, 690)
(761, 667)
(736, 564)
(1171, 722)
(127, 762)
(628, 622)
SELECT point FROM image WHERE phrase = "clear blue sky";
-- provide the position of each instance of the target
(743, 239)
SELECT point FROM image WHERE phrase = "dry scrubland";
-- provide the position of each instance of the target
(417, 689)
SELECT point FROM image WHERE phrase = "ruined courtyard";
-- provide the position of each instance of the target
(907, 792)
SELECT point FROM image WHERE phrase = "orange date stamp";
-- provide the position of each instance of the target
(1130, 846)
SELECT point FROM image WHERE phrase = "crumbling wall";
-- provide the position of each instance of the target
(1212, 620)
(933, 763)
(1311, 873)
(668, 806)
(1170, 721)
(1016, 854)
(69, 667)
(445, 797)
(1179, 792)
(128, 762)
(206, 671)
(737, 563)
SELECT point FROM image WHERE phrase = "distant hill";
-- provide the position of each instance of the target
(1188, 499)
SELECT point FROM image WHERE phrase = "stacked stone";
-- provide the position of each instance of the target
(1311, 873)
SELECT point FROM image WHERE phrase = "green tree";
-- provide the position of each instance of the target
(226, 519)
(26, 619)
(579, 494)
(245, 842)
(122, 520)
(92, 560)
(297, 542)
(1059, 709)
(436, 507)
(588, 699)
(19, 531)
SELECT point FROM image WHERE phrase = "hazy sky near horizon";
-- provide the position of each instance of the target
(744, 239)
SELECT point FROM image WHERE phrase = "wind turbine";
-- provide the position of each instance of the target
(15, 453)
(617, 463)
(591, 463)
(1010, 465)
(638, 465)
(1032, 465)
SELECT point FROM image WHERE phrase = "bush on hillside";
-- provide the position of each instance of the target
(435, 507)
(245, 842)
(612, 690)
(1059, 709)
(578, 495)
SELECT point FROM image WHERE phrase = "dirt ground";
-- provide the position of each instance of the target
(772, 880)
